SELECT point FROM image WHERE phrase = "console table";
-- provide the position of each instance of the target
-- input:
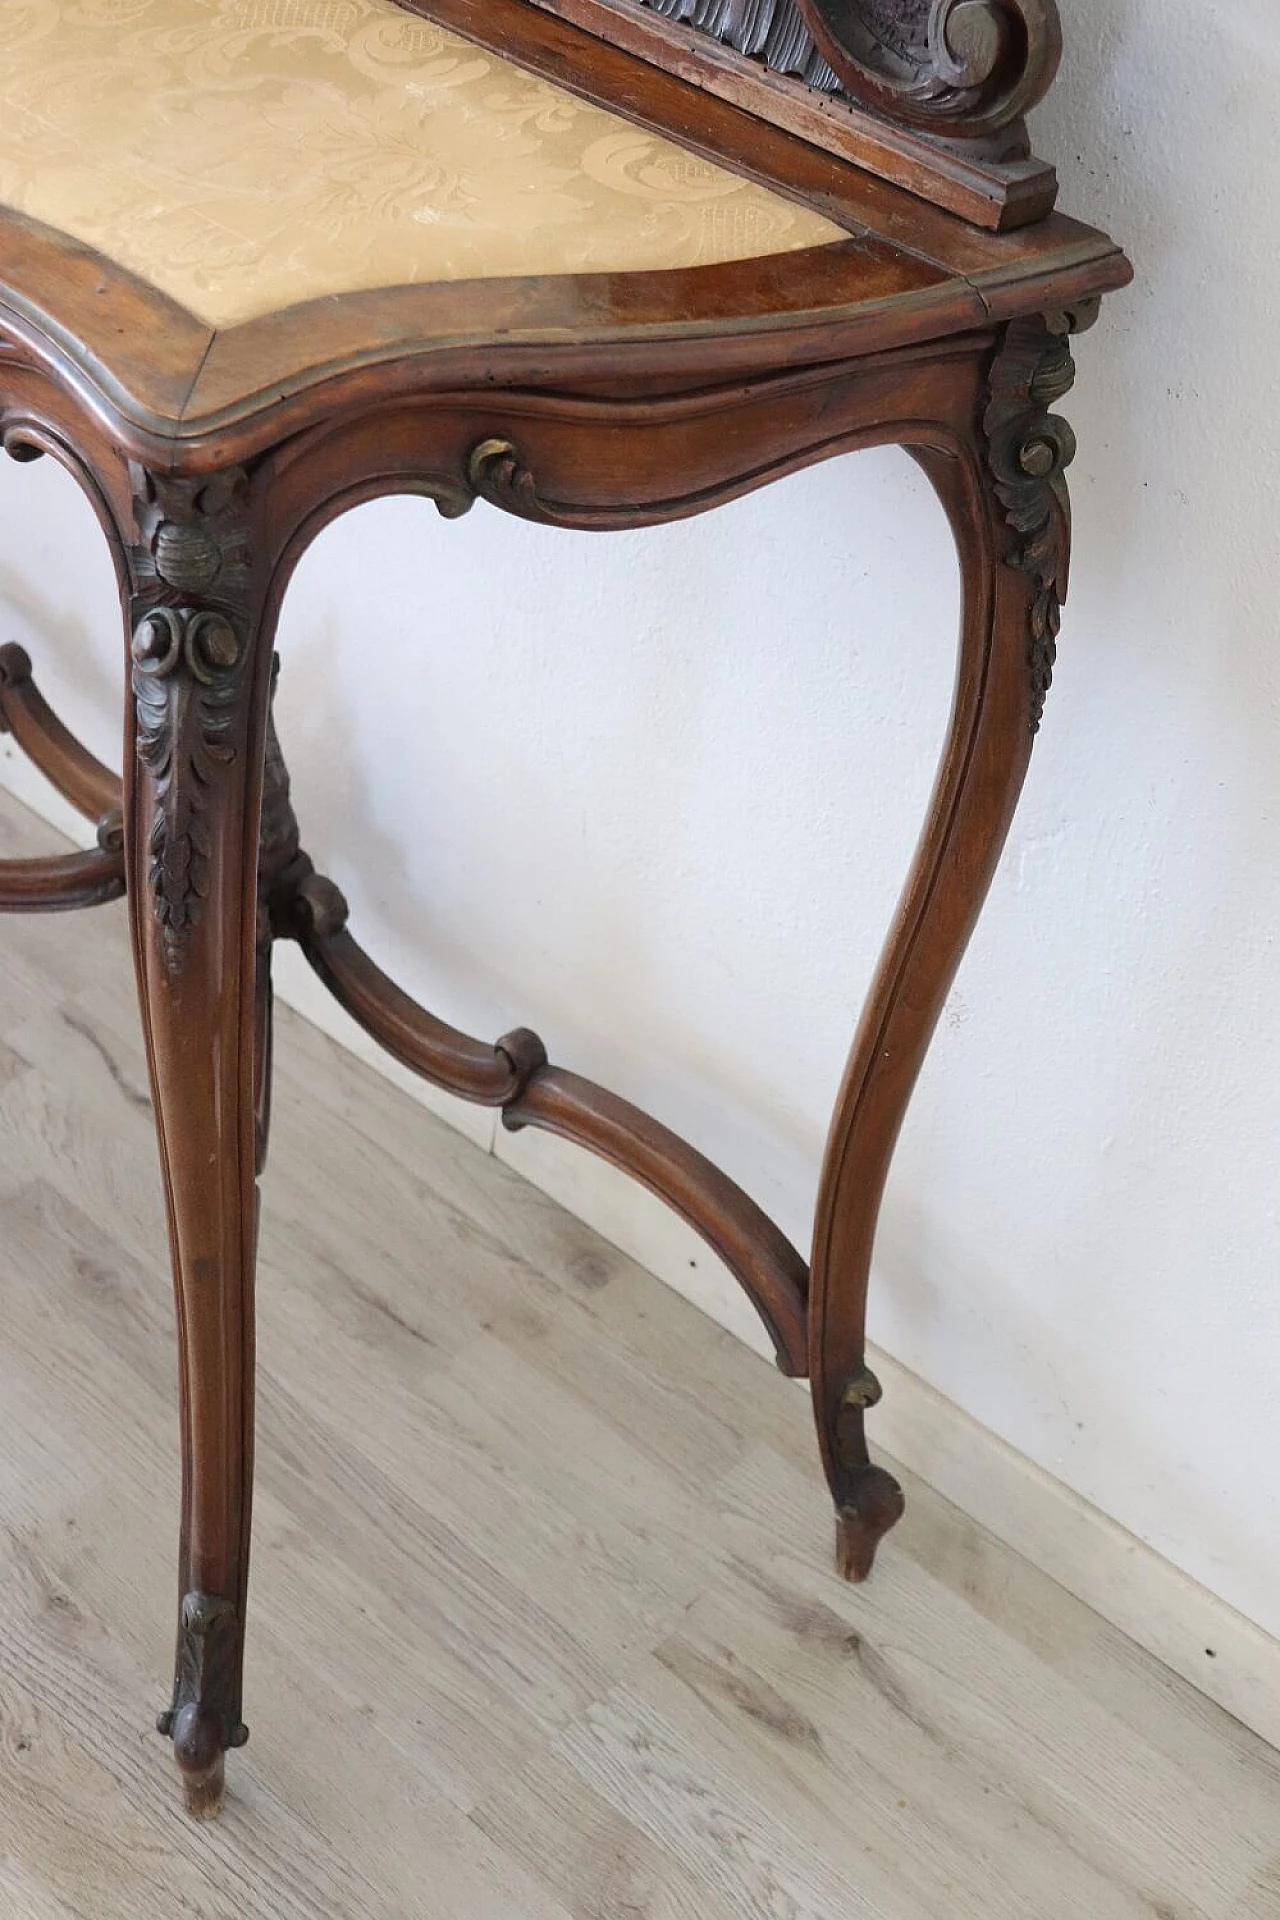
(598, 263)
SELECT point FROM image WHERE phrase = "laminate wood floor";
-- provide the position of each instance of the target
(542, 1618)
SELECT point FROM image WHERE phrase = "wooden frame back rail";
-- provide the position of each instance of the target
(931, 95)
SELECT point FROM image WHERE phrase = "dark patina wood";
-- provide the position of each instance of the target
(599, 401)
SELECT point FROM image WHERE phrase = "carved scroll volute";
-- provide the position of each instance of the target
(965, 69)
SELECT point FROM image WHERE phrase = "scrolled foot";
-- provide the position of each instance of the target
(204, 1721)
(873, 1503)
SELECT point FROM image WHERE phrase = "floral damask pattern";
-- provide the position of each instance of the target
(242, 155)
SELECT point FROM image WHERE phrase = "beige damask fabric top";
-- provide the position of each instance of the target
(242, 155)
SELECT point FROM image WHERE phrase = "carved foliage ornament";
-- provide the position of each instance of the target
(1029, 449)
(187, 663)
(962, 68)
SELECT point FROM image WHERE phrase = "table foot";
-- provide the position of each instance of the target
(202, 1764)
(204, 1720)
(874, 1504)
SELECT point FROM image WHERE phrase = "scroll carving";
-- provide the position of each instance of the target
(1029, 449)
(191, 578)
(497, 474)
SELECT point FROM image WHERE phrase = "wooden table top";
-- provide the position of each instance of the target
(679, 256)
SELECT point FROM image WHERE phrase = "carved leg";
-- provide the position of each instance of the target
(193, 788)
(1006, 499)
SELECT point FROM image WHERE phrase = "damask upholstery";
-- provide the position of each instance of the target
(242, 155)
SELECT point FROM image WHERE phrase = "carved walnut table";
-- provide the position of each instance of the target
(260, 263)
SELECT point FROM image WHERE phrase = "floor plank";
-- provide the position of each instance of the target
(543, 1624)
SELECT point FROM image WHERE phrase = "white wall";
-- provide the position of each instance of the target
(654, 794)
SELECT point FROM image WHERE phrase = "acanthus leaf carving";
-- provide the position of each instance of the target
(963, 69)
(1029, 449)
(190, 573)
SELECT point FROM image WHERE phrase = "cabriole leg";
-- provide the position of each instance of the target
(200, 677)
(1005, 495)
